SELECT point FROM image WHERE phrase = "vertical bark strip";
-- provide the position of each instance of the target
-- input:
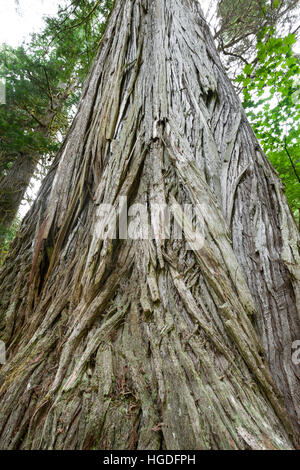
(144, 344)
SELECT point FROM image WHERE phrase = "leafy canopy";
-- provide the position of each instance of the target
(270, 87)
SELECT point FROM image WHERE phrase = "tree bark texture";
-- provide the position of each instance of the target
(13, 186)
(125, 344)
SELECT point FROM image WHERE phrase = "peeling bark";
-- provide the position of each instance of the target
(143, 344)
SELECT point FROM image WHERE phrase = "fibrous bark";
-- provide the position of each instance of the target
(123, 344)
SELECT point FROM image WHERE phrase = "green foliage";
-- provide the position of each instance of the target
(44, 79)
(21, 119)
(74, 34)
(240, 23)
(240, 18)
(269, 87)
(271, 99)
(286, 172)
(6, 238)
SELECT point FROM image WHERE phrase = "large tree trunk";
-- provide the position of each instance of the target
(123, 344)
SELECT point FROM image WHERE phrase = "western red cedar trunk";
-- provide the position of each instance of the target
(124, 344)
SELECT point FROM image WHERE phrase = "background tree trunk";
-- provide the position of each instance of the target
(123, 344)
(14, 183)
(13, 186)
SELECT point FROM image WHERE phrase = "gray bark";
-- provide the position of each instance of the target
(123, 344)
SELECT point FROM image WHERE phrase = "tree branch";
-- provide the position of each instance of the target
(291, 160)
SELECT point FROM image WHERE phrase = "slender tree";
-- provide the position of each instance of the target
(116, 343)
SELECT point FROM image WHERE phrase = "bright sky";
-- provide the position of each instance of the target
(19, 18)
